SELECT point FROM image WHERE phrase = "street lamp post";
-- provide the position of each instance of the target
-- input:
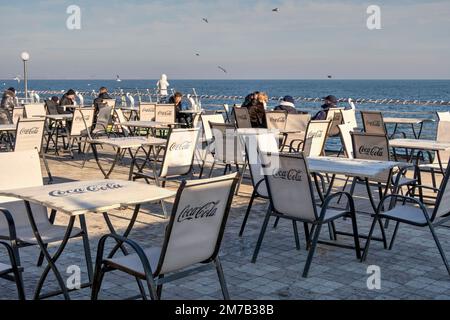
(25, 57)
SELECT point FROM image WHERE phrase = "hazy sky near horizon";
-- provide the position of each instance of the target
(307, 39)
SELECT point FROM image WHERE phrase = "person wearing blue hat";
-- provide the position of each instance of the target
(288, 105)
(330, 103)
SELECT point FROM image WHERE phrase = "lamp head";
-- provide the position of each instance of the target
(25, 56)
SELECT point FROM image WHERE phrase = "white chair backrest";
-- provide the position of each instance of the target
(373, 122)
(297, 122)
(335, 116)
(23, 171)
(443, 135)
(206, 119)
(349, 117)
(242, 118)
(315, 138)
(104, 116)
(442, 207)
(276, 120)
(110, 102)
(82, 121)
(288, 181)
(197, 223)
(18, 113)
(254, 141)
(444, 116)
(121, 119)
(346, 139)
(147, 111)
(35, 110)
(29, 134)
(179, 155)
(165, 113)
(229, 146)
(371, 147)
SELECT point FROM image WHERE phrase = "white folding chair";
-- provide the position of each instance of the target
(242, 118)
(373, 122)
(191, 243)
(443, 116)
(208, 138)
(147, 111)
(18, 113)
(335, 117)
(291, 197)
(411, 211)
(17, 224)
(35, 110)
(349, 117)
(81, 127)
(165, 113)
(103, 121)
(120, 117)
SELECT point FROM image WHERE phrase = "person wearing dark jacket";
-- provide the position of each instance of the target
(287, 104)
(68, 99)
(9, 102)
(184, 118)
(257, 111)
(99, 103)
(330, 102)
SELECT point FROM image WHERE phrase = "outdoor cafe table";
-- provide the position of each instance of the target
(126, 144)
(150, 125)
(78, 199)
(413, 122)
(423, 145)
(356, 168)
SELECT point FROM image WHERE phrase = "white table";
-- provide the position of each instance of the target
(77, 199)
(127, 144)
(408, 121)
(7, 127)
(149, 124)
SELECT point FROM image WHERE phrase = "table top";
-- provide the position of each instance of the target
(98, 196)
(191, 111)
(407, 120)
(8, 127)
(432, 145)
(148, 124)
(59, 116)
(136, 109)
(351, 167)
(129, 142)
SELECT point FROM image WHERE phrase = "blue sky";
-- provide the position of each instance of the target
(307, 39)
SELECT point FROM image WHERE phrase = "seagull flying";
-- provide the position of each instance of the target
(17, 78)
(197, 54)
(206, 20)
(118, 79)
(330, 77)
(276, 10)
(225, 71)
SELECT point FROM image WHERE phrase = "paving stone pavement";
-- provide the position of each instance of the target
(412, 270)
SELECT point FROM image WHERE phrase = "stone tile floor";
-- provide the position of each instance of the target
(412, 270)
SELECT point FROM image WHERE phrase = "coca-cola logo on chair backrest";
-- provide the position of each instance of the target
(374, 151)
(202, 211)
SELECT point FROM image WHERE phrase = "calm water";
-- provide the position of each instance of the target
(373, 89)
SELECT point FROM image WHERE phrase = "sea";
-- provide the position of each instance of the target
(423, 90)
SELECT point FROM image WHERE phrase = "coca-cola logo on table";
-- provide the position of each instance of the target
(203, 211)
(180, 146)
(290, 175)
(85, 189)
(34, 130)
(371, 151)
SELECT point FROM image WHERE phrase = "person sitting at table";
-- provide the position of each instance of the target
(68, 99)
(288, 105)
(183, 118)
(257, 111)
(52, 105)
(330, 103)
(99, 103)
(9, 102)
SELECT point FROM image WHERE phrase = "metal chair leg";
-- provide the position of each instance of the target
(441, 251)
(244, 223)
(221, 276)
(311, 250)
(369, 238)
(261, 235)
(297, 240)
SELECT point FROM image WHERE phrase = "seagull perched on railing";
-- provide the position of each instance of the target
(17, 78)
(118, 79)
